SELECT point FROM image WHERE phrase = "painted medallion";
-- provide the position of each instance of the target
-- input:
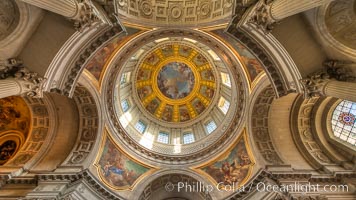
(175, 80)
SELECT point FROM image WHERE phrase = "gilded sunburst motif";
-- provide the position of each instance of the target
(175, 83)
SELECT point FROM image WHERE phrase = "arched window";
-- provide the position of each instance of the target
(125, 105)
(343, 121)
(163, 137)
(210, 127)
(140, 126)
(188, 138)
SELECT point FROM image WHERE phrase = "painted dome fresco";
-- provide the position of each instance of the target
(175, 83)
(174, 95)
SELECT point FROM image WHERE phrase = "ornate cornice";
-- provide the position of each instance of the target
(83, 176)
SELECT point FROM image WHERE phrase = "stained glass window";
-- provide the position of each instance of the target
(188, 138)
(344, 121)
(224, 105)
(125, 105)
(226, 79)
(210, 127)
(140, 126)
(163, 137)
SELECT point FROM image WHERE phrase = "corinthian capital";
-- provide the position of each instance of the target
(262, 16)
(31, 83)
(86, 16)
(314, 85)
(341, 70)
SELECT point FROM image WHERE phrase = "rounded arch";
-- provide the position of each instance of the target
(311, 133)
(164, 185)
(337, 148)
(91, 124)
(260, 103)
(43, 148)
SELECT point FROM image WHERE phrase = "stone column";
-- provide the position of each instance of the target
(81, 11)
(17, 80)
(281, 9)
(341, 90)
(320, 84)
(67, 8)
(268, 12)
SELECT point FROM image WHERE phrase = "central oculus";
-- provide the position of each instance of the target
(175, 80)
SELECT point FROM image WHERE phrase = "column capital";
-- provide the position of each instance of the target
(262, 17)
(85, 15)
(341, 70)
(31, 83)
(314, 85)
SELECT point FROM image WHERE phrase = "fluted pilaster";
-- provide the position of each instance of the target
(67, 8)
(281, 9)
(341, 90)
(13, 87)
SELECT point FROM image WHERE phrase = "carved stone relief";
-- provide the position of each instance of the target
(9, 17)
(88, 126)
(259, 121)
(303, 133)
(185, 12)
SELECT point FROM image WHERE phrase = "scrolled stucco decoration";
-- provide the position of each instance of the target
(302, 117)
(88, 126)
(9, 17)
(259, 121)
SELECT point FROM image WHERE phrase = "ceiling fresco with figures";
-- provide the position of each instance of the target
(118, 170)
(234, 167)
(249, 61)
(166, 12)
(175, 83)
(98, 62)
(15, 119)
(173, 94)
